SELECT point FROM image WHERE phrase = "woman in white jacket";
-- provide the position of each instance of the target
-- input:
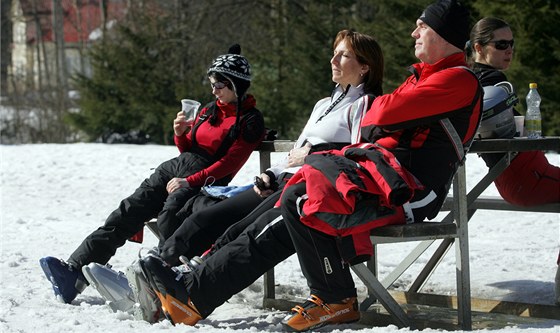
(238, 258)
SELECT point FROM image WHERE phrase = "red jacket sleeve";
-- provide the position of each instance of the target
(184, 142)
(413, 104)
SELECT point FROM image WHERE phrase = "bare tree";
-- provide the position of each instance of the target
(60, 104)
(81, 42)
(103, 5)
(6, 39)
(58, 29)
(40, 50)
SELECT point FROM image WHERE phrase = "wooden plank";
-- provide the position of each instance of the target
(497, 203)
(518, 309)
(521, 144)
(478, 146)
(422, 317)
(444, 318)
(481, 305)
(415, 230)
(439, 312)
(276, 146)
(278, 304)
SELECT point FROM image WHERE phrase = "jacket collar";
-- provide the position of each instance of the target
(423, 70)
(480, 66)
(353, 91)
(230, 109)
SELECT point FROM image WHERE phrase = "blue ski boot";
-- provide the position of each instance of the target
(67, 281)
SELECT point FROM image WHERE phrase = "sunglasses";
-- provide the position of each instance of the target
(219, 85)
(502, 44)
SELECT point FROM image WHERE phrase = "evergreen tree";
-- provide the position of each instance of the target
(161, 53)
(136, 79)
(391, 22)
(293, 69)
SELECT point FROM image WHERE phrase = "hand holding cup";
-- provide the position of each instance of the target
(185, 117)
(190, 108)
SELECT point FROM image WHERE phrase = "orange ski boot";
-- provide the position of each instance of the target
(315, 313)
(171, 291)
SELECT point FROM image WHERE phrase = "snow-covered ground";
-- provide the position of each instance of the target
(52, 196)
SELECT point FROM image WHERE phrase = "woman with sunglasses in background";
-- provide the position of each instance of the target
(213, 148)
(491, 50)
(529, 179)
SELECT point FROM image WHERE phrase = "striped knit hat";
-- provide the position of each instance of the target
(235, 68)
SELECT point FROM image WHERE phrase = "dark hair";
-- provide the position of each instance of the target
(368, 52)
(482, 33)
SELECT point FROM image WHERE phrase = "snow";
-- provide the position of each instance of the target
(53, 195)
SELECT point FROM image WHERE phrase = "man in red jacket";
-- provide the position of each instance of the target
(425, 123)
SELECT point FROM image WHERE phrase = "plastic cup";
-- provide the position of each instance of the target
(519, 122)
(190, 108)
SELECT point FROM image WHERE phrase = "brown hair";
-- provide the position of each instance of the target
(368, 52)
(482, 33)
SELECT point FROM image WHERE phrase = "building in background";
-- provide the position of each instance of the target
(43, 38)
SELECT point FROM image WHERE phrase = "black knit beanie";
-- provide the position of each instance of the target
(235, 68)
(450, 19)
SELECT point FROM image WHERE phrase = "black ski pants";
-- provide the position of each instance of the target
(148, 201)
(238, 263)
(200, 229)
(328, 276)
(217, 223)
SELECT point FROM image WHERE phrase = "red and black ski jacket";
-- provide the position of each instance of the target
(215, 137)
(422, 131)
(353, 190)
(408, 122)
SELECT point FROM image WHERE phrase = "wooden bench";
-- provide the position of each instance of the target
(387, 234)
(452, 229)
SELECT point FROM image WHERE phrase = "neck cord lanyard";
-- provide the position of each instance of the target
(334, 104)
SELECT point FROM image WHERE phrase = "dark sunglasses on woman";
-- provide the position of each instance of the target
(502, 44)
(219, 85)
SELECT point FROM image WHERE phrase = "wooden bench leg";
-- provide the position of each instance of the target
(431, 264)
(372, 266)
(269, 292)
(406, 263)
(367, 302)
(377, 289)
(152, 226)
(462, 250)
